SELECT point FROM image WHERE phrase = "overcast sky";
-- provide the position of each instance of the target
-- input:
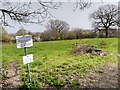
(76, 19)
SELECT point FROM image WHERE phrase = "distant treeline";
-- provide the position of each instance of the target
(50, 35)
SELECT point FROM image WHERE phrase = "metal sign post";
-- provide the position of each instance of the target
(28, 67)
(24, 42)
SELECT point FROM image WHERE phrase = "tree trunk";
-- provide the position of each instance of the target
(106, 33)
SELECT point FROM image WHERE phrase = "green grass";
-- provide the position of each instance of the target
(54, 65)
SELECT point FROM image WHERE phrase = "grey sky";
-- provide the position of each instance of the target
(76, 19)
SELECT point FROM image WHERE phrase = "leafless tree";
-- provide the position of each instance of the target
(4, 36)
(2, 30)
(57, 27)
(82, 4)
(21, 31)
(36, 37)
(105, 18)
(24, 12)
(77, 32)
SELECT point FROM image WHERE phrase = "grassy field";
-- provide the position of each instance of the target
(53, 64)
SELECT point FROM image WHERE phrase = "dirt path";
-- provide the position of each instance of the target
(104, 76)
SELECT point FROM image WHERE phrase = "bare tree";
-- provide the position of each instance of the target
(57, 27)
(78, 33)
(105, 18)
(4, 36)
(2, 31)
(21, 31)
(36, 37)
(24, 12)
(82, 4)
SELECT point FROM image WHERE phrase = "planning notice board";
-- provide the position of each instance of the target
(24, 41)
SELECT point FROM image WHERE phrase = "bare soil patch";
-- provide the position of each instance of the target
(103, 76)
(89, 50)
(12, 78)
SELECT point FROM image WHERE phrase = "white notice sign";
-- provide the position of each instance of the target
(24, 41)
(28, 58)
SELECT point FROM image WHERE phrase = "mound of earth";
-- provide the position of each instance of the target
(89, 50)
